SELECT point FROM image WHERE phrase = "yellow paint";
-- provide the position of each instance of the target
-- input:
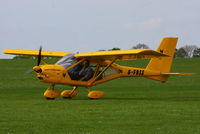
(35, 52)
(157, 69)
(69, 93)
(163, 64)
(95, 94)
(51, 94)
(182, 74)
(36, 68)
(132, 54)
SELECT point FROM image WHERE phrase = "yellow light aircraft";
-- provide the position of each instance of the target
(66, 71)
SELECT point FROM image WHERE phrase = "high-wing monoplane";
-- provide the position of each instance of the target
(92, 68)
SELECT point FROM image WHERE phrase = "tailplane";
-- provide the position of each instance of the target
(163, 64)
(181, 74)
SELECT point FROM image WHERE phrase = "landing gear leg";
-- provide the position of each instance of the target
(50, 93)
(95, 94)
(68, 94)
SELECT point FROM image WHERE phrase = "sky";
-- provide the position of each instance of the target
(91, 25)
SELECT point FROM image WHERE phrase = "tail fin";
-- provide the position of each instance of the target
(167, 46)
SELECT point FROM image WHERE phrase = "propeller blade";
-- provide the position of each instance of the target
(29, 71)
(39, 56)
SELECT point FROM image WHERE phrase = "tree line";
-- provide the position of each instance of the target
(187, 51)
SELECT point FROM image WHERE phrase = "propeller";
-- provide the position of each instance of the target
(29, 71)
(38, 61)
(39, 56)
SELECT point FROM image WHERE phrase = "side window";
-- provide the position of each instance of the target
(82, 71)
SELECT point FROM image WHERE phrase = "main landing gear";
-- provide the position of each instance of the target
(68, 94)
(51, 93)
(95, 94)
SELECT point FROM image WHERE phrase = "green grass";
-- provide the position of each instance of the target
(130, 105)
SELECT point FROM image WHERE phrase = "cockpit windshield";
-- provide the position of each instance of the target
(82, 71)
(67, 61)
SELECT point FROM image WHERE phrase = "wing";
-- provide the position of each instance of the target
(132, 54)
(35, 52)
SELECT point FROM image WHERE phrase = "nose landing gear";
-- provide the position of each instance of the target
(50, 93)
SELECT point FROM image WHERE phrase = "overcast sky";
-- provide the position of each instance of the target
(91, 25)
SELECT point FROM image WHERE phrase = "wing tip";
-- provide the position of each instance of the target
(170, 38)
(6, 51)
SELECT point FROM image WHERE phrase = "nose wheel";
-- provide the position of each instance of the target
(51, 93)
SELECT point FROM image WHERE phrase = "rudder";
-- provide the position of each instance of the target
(163, 64)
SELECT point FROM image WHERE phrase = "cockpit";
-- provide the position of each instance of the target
(67, 61)
(82, 71)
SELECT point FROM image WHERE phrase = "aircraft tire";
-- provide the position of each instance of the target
(50, 98)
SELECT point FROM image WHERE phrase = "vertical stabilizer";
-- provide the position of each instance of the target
(167, 46)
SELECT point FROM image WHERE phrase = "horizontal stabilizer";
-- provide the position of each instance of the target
(182, 74)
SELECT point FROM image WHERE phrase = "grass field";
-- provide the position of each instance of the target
(130, 105)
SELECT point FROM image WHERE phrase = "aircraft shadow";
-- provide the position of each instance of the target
(156, 98)
(142, 99)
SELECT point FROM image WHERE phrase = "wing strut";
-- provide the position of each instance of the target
(74, 65)
(94, 79)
